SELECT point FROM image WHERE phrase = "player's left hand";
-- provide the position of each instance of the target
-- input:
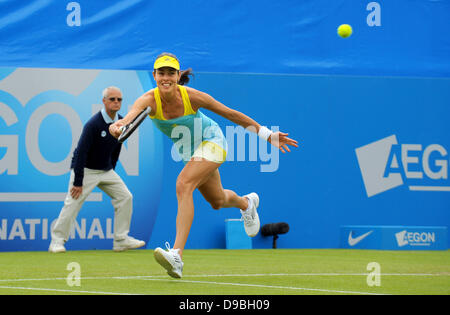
(282, 141)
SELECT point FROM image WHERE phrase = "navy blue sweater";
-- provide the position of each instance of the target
(97, 149)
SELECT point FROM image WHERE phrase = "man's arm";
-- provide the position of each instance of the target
(83, 147)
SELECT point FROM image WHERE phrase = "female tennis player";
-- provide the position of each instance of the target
(175, 110)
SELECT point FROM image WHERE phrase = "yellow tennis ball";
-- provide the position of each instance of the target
(344, 30)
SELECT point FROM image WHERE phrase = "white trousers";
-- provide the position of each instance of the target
(113, 186)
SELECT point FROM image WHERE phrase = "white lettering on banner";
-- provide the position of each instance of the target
(415, 238)
(442, 164)
(95, 230)
(385, 164)
(74, 17)
(32, 137)
(38, 229)
(374, 17)
(410, 160)
(43, 197)
(10, 161)
(236, 149)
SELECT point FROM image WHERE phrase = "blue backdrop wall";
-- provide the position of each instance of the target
(390, 37)
(370, 112)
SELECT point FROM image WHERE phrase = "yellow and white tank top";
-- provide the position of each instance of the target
(190, 130)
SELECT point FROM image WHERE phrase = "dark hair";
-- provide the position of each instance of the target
(184, 78)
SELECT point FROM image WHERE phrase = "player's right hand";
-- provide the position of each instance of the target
(115, 129)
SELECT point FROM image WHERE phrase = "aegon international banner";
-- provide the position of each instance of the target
(42, 113)
(373, 151)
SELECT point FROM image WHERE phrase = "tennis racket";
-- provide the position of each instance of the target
(132, 126)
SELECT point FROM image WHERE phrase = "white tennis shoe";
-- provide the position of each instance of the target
(57, 247)
(127, 243)
(250, 216)
(170, 260)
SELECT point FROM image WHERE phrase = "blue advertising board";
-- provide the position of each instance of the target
(370, 113)
(394, 237)
(362, 160)
(42, 114)
(328, 181)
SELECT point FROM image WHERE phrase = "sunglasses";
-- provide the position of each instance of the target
(113, 99)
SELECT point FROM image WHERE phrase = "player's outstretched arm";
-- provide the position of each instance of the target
(278, 139)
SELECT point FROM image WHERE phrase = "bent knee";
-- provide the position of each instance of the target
(129, 197)
(125, 195)
(122, 200)
(217, 203)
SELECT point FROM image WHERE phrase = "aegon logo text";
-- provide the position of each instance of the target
(415, 238)
(385, 164)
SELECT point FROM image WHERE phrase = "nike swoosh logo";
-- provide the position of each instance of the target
(353, 241)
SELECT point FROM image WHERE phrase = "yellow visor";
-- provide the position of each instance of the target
(166, 61)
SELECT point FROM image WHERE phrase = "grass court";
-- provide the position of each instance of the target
(228, 272)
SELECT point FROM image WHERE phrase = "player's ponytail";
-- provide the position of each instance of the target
(184, 78)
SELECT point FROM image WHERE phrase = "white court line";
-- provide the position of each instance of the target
(239, 275)
(82, 278)
(320, 274)
(267, 286)
(63, 290)
(165, 278)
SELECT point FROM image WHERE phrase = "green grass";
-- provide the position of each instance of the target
(228, 272)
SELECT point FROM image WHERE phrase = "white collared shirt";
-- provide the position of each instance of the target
(108, 119)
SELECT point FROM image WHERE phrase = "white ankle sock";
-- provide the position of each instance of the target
(250, 203)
